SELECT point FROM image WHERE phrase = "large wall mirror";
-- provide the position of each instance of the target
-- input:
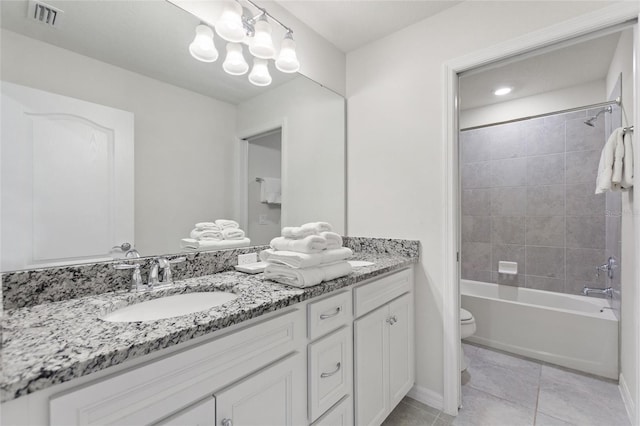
(112, 132)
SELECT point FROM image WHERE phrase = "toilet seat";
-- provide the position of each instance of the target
(466, 317)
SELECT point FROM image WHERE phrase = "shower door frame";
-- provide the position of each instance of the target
(578, 27)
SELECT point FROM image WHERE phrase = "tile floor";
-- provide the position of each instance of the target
(504, 390)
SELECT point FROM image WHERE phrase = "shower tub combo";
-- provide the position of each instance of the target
(571, 331)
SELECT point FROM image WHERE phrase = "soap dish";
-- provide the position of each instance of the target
(252, 268)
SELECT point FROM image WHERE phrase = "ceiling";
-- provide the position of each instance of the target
(349, 25)
(539, 73)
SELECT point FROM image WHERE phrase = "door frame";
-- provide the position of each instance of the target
(580, 26)
(242, 167)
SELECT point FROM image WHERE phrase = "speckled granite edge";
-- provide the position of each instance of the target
(32, 287)
(51, 343)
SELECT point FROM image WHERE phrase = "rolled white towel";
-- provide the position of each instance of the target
(233, 234)
(193, 244)
(207, 226)
(304, 260)
(207, 234)
(334, 240)
(226, 224)
(310, 244)
(306, 277)
(296, 232)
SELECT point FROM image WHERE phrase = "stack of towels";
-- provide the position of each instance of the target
(221, 234)
(615, 171)
(307, 255)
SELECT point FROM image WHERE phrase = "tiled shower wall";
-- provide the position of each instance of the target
(528, 197)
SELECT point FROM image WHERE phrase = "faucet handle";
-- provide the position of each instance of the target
(167, 276)
(136, 277)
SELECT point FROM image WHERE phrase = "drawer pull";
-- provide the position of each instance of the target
(226, 422)
(325, 375)
(325, 316)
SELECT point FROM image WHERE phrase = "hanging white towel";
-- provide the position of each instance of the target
(271, 191)
(607, 159)
(304, 260)
(308, 276)
(310, 244)
(627, 162)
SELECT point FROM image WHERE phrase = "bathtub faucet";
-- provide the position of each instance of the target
(606, 291)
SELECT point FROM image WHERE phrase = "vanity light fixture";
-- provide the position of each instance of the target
(502, 91)
(202, 47)
(236, 26)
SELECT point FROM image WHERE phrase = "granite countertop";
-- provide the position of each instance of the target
(51, 343)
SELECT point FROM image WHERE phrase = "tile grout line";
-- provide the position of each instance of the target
(535, 413)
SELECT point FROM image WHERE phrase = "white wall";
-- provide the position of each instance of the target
(396, 155)
(313, 174)
(183, 140)
(622, 62)
(570, 97)
(264, 161)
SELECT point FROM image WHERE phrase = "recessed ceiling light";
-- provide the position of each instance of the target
(502, 91)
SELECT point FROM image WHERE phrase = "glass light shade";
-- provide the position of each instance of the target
(259, 75)
(230, 26)
(261, 45)
(287, 59)
(202, 47)
(234, 63)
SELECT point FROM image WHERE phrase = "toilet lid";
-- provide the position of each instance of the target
(465, 315)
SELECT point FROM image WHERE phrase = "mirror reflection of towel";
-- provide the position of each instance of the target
(271, 191)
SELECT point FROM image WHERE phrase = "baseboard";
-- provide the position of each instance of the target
(426, 396)
(626, 399)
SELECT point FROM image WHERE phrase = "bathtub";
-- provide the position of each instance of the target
(562, 329)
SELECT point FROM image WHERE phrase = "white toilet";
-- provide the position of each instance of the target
(467, 328)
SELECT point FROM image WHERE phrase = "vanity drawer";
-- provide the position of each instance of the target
(340, 414)
(330, 371)
(372, 295)
(328, 314)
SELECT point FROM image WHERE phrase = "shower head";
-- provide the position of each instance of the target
(590, 121)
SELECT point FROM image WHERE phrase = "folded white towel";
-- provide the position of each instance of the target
(233, 234)
(207, 234)
(226, 224)
(310, 244)
(207, 226)
(296, 232)
(270, 191)
(334, 240)
(193, 244)
(607, 159)
(304, 260)
(318, 227)
(308, 276)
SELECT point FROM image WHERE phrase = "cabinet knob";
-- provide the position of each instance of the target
(226, 422)
(392, 320)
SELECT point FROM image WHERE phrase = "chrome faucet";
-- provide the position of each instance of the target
(605, 291)
(607, 267)
(167, 275)
(136, 277)
(154, 280)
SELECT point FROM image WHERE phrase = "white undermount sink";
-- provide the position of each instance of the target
(170, 306)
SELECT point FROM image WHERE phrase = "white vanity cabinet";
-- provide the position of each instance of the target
(383, 347)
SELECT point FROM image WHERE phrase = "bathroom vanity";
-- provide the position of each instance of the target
(337, 353)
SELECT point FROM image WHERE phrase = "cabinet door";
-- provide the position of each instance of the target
(202, 413)
(371, 367)
(274, 396)
(401, 357)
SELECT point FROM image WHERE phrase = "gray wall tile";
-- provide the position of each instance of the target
(586, 232)
(476, 229)
(581, 264)
(476, 275)
(544, 283)
(507, 230)
(561, 118)
(545, 200)
(509, 172)
(543, 139)
(545, 261)
(476, 202)
(582, 201)
(476, 256)
(509, 253)
(545, 231)
(545, 170)
(581, 137)
(475, 146)
(506, 141)
(508, 201)
(582, 166)
(476, 175)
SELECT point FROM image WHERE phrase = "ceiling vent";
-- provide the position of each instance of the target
(44, 13)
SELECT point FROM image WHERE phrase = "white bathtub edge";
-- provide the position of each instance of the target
(626, 398)
(572, 363)
(427, 396)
